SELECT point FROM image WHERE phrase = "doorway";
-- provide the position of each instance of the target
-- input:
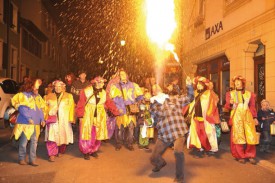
(259, 74)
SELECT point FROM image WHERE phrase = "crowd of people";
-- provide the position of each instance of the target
(133, 113)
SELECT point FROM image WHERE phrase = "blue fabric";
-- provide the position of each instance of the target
(23, 147)
(25, 113)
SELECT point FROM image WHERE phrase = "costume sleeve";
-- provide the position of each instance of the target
(252, 105)
(212, 114)
(72, 109)
(81, 104)
(117, 98)
(259, 117)
(138, 92)
(18, 100)
(41, 115)
(110, 105)
(42, 106)
(46, 109)
(185, 100)
(155, 111)
(227, 101)
(115, 92)
(21, 104)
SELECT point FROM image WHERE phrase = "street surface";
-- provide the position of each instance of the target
(126, 166)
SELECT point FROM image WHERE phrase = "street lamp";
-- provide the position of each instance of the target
(122, 42)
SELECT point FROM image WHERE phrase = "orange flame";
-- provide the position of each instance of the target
(160, 23)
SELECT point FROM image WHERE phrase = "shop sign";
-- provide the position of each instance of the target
(210, 31)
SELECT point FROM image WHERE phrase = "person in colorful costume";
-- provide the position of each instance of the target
(205, 114)
(59, 115)
(244, 118)
(30, 105)
(90, 109)
(123, 94)
(169, 119)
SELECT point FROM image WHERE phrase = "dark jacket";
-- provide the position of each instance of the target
(269, 116)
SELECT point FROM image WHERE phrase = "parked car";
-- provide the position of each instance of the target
(8, 87)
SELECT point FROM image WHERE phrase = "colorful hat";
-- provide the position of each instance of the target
(238, 77)
(200, 79)
(59, 82)
(98, 79)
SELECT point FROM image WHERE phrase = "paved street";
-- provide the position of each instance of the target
(130, 167)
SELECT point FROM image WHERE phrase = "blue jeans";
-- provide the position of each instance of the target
(23, 142)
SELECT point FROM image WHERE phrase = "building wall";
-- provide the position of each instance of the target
(243, 27)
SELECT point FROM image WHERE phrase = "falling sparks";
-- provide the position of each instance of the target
(94, 31)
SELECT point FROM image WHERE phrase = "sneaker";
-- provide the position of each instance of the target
(94, 154)
(86, 156)
(22, 162)
(157, 169)
(252, 161)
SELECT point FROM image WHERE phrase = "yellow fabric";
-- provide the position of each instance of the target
(89, 120)
(26, 129)
(66, 103)
(210, 130)
(125, 120)
(138, 91)
(61, 131)
(116, 92)
(193, 136)
(243, 126)
(21, 99)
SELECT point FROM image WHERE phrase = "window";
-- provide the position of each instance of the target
(14, 56)
(14, 17)
(31, 44)
(53, 30)
(198, 15)
(1, 10)
(232, 5)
